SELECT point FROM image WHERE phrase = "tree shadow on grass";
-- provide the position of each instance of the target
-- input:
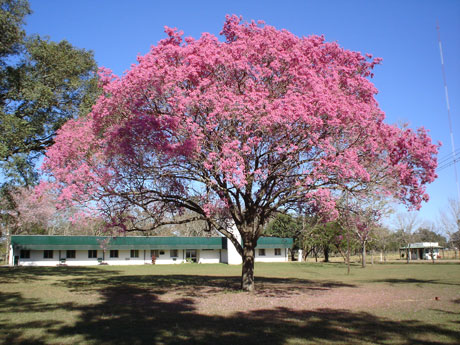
(26, 274)
(14, 303)
(403, 262)
(418, 282)
(14, 334)
(129, 314)
(133, 315)
(202, 285)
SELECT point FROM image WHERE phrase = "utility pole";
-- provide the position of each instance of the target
(348, 231)
(452, 142)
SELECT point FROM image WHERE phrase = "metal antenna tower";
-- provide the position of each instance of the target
(448, 111)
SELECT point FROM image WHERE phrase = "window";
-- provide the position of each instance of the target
(190, 255)
(155, 253)
(134, 253)
(70, 254)
(114, 253)
(92, 254)
(173, 253)
(48, 254)
(277, 251)
(261, 252)
(25, 254)
(162, 252)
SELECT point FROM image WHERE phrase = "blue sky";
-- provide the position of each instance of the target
(403, 33)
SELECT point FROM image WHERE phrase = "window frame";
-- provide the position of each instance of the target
(113, 252)
(171, 251)
(92, 251)
(72, 252)
(261, 252)
(278, 250)
(134, 253)
(50, 253)
(24, 254)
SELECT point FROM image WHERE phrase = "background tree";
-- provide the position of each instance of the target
(186, 228)
(26, 212)
(454, 240)
(42, 85)
(237, 131)
(12, 13)
(326, 237)
(363, 223)
(309, 234)
(383, 241)
(287, 225)
(406, 224)
(450, 222)
(426, 233)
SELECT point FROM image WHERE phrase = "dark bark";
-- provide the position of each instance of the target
(363, 255)
(247, 276)
(326, 253)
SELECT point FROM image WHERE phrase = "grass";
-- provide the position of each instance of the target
(295, 303)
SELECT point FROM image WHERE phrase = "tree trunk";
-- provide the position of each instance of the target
(363, 255)
(247, 277)
(348, 252)
(326, 253)
(7, 243)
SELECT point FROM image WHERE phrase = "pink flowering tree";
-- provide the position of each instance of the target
(235, 131)
(363, 222)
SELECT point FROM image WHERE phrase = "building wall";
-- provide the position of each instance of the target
(124, 258)
(10, 256)
(224, 256)
(270, 255)
(233, 257)
(424, 253)
(145, 257)
(166, 258)
(37, 259)
(230, 256)
(209, 256)
(81, 258)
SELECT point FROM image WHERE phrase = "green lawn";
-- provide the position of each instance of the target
(295, 303)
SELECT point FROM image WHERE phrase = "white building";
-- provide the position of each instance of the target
(421, 251)
(40, 250)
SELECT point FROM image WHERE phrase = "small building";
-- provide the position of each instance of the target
(41, 250)
(421, 251)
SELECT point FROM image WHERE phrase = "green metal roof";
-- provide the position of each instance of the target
(274, 242)
(420, 247)
(41, 242)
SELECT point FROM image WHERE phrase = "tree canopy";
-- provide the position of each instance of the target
(235, 132)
